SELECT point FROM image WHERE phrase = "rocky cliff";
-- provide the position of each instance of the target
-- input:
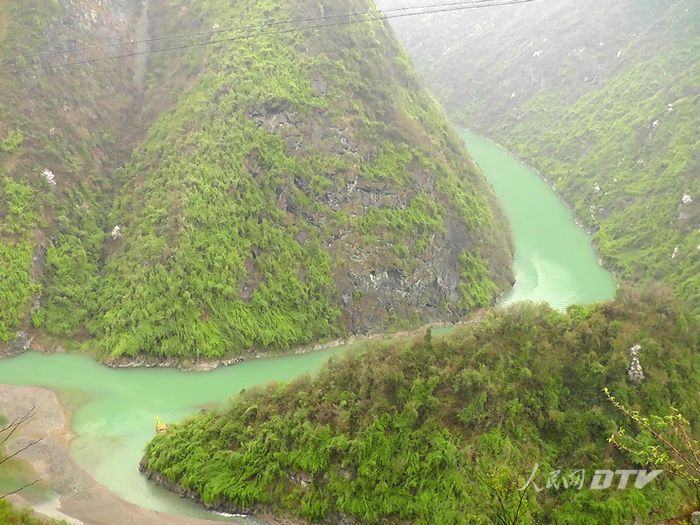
(259, 193)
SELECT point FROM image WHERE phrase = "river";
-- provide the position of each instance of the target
(554, 259)
(114, 410)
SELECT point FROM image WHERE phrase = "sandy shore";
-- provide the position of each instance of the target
(81, 500)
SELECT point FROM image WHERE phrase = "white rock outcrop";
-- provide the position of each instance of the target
(49, 176)
(635, 372)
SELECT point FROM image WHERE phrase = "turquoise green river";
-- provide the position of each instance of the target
(115, 410)
(554, 259)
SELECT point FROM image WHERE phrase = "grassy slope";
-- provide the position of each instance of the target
(424, 431)
(294, 173)
(574, 89)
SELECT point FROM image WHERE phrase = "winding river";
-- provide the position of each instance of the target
(554, 259)
(115, 409)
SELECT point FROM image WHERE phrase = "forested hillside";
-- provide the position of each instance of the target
(602, 98)
(262, 193)
(61, 137)
(446, 430)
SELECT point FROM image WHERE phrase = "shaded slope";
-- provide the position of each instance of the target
(76, 124)
(436, 430)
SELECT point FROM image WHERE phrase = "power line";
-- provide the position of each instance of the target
(472, 5)
(263, 25)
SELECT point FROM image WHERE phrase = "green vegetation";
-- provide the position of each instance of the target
(439, 430)
(603, 101)
(16, 230)
(12, 141)
(211, 262)
(59, 123)
(641, 156)
(275, 181)
(11, 516)
(475, 271)
(664, 442)
(15, 286)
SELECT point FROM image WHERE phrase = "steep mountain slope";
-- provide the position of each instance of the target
(61, 134)
(438, 430)
(602, 99)
(277, 190)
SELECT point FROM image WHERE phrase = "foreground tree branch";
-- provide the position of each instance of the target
(6, 434)
(20, 489)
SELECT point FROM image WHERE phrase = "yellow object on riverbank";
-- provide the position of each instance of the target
(161, 427)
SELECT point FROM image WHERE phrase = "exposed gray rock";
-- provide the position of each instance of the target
(20, 344)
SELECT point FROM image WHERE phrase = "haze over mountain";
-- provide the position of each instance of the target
(285, 187)
(602, 98)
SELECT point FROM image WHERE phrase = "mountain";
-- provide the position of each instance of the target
(61, 136)
(445, 430)
(602, 99)
(276, 189)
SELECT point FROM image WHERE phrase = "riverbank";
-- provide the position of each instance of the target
(80, 499)
(26, 343)
(555, 265)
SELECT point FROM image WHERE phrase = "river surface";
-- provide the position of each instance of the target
(554, 259)
(115, 410)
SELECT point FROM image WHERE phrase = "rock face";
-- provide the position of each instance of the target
(285, 190)
(594, 96)
(635, 373)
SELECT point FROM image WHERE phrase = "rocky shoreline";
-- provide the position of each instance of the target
(193, 496)
(207, 365)
(23, 342)
(264, 513)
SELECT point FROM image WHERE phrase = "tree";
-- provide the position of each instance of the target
(6, 433)
(663, 442)
(509, 504)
